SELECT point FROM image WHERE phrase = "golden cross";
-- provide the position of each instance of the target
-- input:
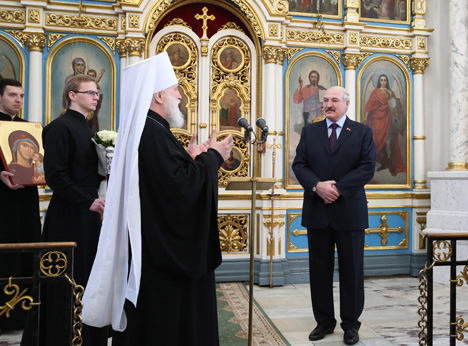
(205, 18)
(384, 230)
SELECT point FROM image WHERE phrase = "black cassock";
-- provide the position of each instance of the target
(71, 171)
(19, 223)
(180, 244)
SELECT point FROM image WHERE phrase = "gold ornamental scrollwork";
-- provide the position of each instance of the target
(274, 54)
(353, 37)
(273, 30)
(419, 65)
(242, 170)
(442, 251)
(53, 263)
(17, 17)
(421, 43)
(162, 6)
(35, 41)
(135, 46)
(405, 59)
(233, 234)
(352, 60)
(124, 22)
(18, 35)
(232, 26)
(464, 276)
(178, 21)
(314, 36)
(335, 54)
(133, 21)
(73, 21)
(109, 41)
(34, 16)
(53, 38)
(422, 299)
(292, 52)
(12, 289)
(121, 47)
(460, 327)
(384, 230)
(282, 6)
(384, 42)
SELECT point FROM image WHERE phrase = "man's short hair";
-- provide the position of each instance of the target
(73, 84)
(345, 92)
(8, 82)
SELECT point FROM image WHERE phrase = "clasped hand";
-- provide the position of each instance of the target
(222, 147)
(327, 191)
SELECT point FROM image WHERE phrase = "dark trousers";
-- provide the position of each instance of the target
(350, 246)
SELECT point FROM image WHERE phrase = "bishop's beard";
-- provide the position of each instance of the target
(175, 116)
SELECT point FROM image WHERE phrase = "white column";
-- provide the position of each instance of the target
(35, 90)
(350, 85)
(419, 137)
(269, 111)
(458, 22)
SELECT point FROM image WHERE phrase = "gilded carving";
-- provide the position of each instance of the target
(421, 43)
(53, 263)
(384, 42)
(12, 16)
(274, 54)
(233, 235)
(10, 289)
(224, 176)
(461, 327)
(54, 38)
(204, 17)
(231, 25)
(419, 65)
(163, 5)
(384, 230)
(124, 23)
(34, 16)
(292, 52)
(121, 47)
(178, 21)
(420, 7)
(135, 46)
(335, 54)
(349, 4)
(72, 21)
(273, 29)
(133, 21)
(109, 41)
(282, 6)
(18, 35)
(251, 16)
(352, 60)
(405, 59)
(314, 36)
(35, 41)
(130, 2)
(353, 37)
(421, 220)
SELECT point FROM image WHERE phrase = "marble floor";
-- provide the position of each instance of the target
(390, 315)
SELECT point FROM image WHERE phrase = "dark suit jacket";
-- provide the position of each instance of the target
(351, 165)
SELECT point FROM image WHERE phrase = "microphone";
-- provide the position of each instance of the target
(242, 122)
(261, 123)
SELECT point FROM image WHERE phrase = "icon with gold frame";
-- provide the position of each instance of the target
(234, 162)
(230, 59)
(21, 152)
(179, 54)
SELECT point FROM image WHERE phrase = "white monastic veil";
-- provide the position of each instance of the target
(110, 282)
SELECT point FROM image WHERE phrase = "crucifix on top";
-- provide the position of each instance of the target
(205, 18)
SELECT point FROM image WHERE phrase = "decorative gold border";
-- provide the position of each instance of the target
(241, 65)
(388, 21)
(48, 74)
(339, 77)
(189, 51)
(11, 43)
(405, 72)
(404, 244)
(291, 248)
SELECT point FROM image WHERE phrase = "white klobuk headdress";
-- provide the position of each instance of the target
(110, 282)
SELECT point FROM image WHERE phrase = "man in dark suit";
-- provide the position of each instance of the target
(335, 158)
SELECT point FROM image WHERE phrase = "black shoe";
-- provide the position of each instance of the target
(351, 337)
(319, 333)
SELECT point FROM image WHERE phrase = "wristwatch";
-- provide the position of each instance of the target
(314, 189)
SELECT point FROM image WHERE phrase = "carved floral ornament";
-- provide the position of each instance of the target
(12, 16)
(274, 54)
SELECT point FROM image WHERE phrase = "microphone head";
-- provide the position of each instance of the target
(261, 123)
(242, 122)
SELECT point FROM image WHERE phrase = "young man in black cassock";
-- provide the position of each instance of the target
(74, 212)
(19, 210)
(177, 208)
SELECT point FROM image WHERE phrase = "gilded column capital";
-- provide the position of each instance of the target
(35, 41)
(135, 46)
(274, 54)
(352, 60)
(418, 65)
(121, 47)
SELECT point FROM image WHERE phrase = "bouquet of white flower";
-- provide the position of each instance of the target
(105, 143)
